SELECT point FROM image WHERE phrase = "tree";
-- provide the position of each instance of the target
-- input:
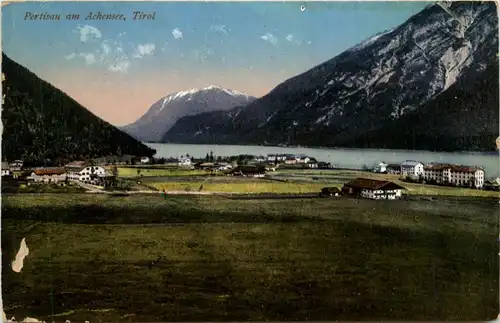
(207, 157)
(138, 172)
(211, 156)
(114, 171)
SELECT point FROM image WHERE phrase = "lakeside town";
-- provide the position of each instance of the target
(250, 161)
(107, 174)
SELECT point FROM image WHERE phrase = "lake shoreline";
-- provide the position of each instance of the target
(479, 152)
(348, 158)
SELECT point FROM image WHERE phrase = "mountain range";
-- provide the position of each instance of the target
(430, 83)
(41, 124)
(163, 114)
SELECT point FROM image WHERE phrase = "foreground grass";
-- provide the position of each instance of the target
(16, 187)
(144, 258)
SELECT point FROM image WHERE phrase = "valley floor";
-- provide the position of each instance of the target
(149, 258)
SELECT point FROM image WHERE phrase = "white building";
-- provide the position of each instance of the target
(16, 165)
(302, 159)
(278, 157)
(184, 161)
(380, 168)
(48, 175)
(144, 160)
(373, 189)
(312, 164)
(82, 171)
(412, 168)
(224, 166)
(260, 159)
(5, 169)
(455, 175)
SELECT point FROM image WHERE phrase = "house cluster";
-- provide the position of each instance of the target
(218, 166)
(12, 169)
(443, 174)
(75, 171)
(291, 159)
(366, 188)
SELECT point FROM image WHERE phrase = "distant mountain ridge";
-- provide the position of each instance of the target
(41, 123)
(386, 82)
(162, 115)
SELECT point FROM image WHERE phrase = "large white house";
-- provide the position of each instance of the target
(455, 175)
(16, 165)
(277, 157)
(82, 171)
(185, 161)
(373, 189)
(5, 169)
(48, 175)
(412, 168)
(380, 167)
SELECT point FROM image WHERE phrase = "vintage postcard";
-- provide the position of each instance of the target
(250, 161)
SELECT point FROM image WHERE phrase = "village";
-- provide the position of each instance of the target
(382, 181)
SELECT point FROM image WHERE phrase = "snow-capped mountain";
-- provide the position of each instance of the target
(367, 87)
(165, 112)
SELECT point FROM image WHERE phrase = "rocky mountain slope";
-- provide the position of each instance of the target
(387, 82)
(162, 115)
(42, 124)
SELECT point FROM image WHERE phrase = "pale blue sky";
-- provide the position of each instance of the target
(117, 69)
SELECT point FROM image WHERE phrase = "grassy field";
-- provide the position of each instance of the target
(238, 186)
(156, 171)
(145, 258)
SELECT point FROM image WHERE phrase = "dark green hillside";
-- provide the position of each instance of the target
(41, 123)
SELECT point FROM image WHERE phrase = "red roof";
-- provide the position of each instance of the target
(41, 172)
(464, 169)
(372, 184)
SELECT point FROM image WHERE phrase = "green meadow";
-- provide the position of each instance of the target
(199, 258)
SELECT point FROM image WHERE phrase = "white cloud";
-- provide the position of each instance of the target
(70, 56)
(118, 46)
(292, 39)
(121, 65)
(270, 38)
(144, 50)
(106, 49)
(204, 54)
(88, 31)
(219, 29)
(177, 33)
(89, 58)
